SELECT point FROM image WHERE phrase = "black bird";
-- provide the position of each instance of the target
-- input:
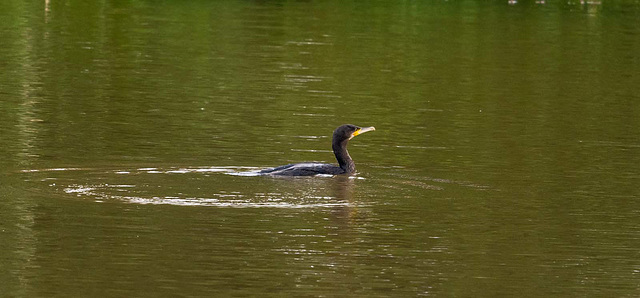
(341, 137)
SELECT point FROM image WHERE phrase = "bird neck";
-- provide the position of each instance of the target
(342, 155)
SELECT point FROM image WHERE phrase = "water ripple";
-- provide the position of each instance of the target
(190, 186)
(103, 192)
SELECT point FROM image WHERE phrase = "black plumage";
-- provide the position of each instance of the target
(339, 142)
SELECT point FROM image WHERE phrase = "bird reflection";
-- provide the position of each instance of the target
(342, 189)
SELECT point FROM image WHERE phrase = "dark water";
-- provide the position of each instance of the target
(504, 164)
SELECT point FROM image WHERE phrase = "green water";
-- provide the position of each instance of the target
(504, 161)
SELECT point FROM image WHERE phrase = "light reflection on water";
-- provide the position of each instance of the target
(237, 200)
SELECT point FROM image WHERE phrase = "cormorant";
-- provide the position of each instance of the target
(341, 137)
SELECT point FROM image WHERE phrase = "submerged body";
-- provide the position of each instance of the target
(341, 137)
(305, 169)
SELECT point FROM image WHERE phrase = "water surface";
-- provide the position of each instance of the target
(505, 160)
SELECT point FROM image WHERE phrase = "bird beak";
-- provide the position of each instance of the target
(362, 130)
